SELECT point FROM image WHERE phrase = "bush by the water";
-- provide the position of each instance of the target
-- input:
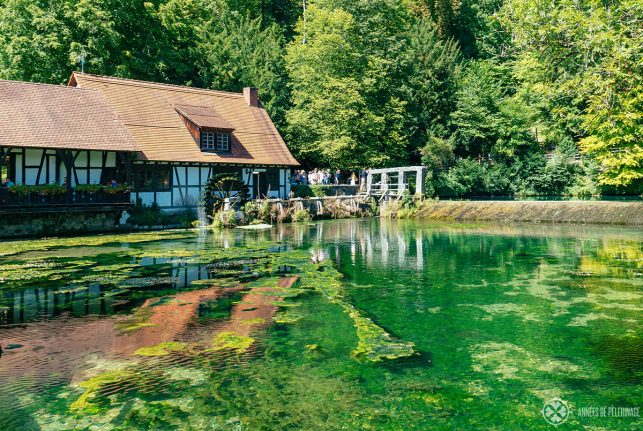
(559, 175)
(255, 212)
(225, 219)
(301, 215)
(153, 215)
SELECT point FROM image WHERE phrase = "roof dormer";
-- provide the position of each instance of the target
(208, 128)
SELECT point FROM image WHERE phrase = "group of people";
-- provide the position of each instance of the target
(317, 176)
(327, 177)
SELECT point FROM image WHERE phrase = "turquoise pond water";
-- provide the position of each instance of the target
(337, 325)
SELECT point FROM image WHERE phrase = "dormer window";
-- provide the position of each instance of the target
(210, 131)
(215, 141)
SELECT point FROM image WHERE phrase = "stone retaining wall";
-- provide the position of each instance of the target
(601, 212)
(60, 223)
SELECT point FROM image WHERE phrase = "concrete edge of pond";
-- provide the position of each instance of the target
(590, 212)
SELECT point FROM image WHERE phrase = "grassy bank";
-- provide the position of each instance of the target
(599, 212)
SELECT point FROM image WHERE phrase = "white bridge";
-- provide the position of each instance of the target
(393, 182)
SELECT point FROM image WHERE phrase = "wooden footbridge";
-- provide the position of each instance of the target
(381, 184)
(390, 183)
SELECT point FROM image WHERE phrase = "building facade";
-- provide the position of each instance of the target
(162, 141)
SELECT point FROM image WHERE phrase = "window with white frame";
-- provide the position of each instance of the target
(215, 141)
(223, 142)
(208, 141)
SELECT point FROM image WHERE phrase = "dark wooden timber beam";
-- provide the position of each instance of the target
(4, 152)
(126, 158)
(68, 160)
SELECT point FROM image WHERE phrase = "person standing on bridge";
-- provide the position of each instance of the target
(362, 179)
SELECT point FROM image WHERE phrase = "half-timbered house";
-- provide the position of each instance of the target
(163, 140)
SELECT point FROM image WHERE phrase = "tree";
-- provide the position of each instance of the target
(347, 108)
(36, 41)
(478, 119)
(588, 57)
(444, 13)
(613, 119)
(433, 66)
(235, 51)
(42, 39)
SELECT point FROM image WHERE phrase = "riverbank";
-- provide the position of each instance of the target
(595, 212)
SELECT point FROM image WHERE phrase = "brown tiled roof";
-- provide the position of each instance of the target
(54, 116)
(204, 116)
(149, 111)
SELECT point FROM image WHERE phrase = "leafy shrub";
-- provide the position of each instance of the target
(145, 215)
(558, 175)
(250, 211)
(301, 215)
(407, 199)
(468, 178)
(225, 219)
(320, 190)
(264, 213)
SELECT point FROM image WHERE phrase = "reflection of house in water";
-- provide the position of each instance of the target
(56, 345)
(37, 303)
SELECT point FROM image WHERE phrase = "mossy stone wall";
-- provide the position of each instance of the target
(60, 223)
(601, 212)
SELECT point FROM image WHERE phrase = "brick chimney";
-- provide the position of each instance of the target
(252, 96)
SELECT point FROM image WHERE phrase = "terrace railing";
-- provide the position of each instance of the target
(36, 198)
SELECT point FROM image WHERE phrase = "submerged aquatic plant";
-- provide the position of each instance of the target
(375, 344)
(252, 322)
(137, 321)
(162, 349)
(92, 387)
(10, 248)
(140, 274)
(232, 341)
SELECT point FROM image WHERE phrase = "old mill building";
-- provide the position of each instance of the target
(165, 141)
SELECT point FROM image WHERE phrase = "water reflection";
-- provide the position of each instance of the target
(504, 312)
(46, 303)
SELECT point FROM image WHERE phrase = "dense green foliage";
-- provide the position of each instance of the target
(495, 96)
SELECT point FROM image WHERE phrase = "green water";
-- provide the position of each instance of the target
(346, 325)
